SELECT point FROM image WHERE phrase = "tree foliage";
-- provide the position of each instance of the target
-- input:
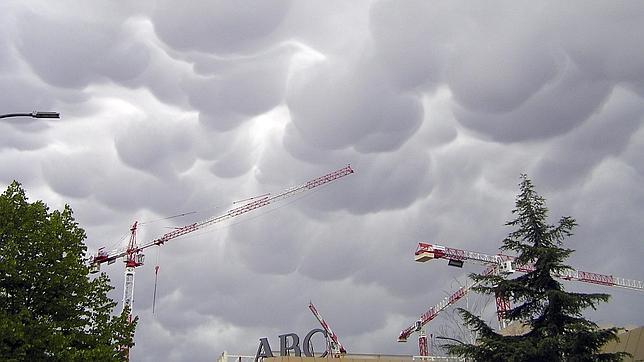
(556, 328)
(50, 310)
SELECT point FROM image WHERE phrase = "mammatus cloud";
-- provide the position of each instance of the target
(438, 106)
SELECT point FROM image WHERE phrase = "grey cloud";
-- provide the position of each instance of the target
(124, 61)
(13, 168)
(634, 151)
(381, 182)
(307, 152)
(232, 165)
(438, 128)
(500, 77)
(340, 244)
(155, 146)
(219, 27)
(164, 77)
(248, 89)
(604, 135)
(73, 175)
(275, 234)
(335, 105)
(423, 45)
(556, 109)
(394, 182)
(412, 41)
(78, 51)
(601, 38)
(21, 134)
(132, 190)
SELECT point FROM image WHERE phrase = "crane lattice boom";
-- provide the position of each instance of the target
(426, 252)
(335, 346)
(494, 264)
(109, 257)
(433, 311)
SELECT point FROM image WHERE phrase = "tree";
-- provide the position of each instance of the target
(50, 310)
(453, 326)
(556, 329)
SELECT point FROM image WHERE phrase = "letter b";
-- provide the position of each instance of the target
(295, 346)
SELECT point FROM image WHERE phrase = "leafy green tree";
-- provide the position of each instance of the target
(50, 310)
(555, 327)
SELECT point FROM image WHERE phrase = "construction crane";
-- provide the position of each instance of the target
(498, 263)
(133, 253)
(334, 347)
(419, 325)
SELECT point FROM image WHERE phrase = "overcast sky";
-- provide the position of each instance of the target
(172, 107)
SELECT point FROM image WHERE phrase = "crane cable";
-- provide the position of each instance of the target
(156, 277)
(157, 267)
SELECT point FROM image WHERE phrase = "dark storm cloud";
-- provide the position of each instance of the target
(21, 134)
(438, 106)
(78, 51)
(162, 148)
(13, 168)
(634, 151)
(412, 41)
(532, 81)
(339, 105)
(602, 38)
(220, 26)
(248, 88)
(569, 102)
(74, 175)
(605, 135)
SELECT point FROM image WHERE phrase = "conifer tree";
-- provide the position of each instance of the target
(50, 310)
(555, 327)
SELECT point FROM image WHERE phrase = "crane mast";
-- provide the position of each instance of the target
(132, 261)
(335, 348)
(133, 253)
(495, 264)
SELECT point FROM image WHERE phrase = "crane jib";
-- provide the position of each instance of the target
(329, 177)
(496, 264)
(176, 233)
(103, 256)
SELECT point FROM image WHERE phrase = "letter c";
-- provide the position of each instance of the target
(307, 347)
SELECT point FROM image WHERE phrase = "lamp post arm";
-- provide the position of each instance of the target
(34, 114)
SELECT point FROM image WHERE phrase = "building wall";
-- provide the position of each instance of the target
(363, 358)
(631, 341)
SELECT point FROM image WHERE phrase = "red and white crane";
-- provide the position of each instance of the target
(494, 264)
(133, 253)
(334, 347)
(433, 311)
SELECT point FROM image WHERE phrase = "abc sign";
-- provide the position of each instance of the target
(289, 342)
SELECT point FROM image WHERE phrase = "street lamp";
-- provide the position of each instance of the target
(34, 114)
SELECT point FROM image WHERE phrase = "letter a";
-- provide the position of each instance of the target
(264, 349)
